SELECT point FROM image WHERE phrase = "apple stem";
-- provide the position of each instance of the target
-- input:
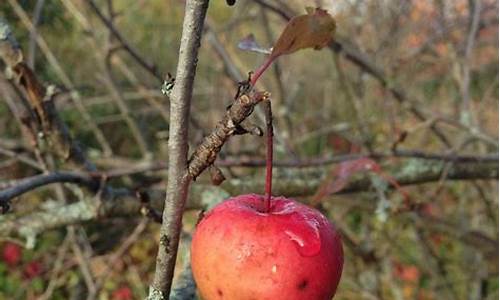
(262, 69)
(269, 154)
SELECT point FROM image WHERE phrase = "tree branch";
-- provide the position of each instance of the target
(178, 183)
(303, 163)
(27, 184)
(297, 183)
(151, 68)
(206, 153)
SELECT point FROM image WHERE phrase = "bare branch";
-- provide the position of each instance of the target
(26, 184)
(297, 183)
(300, 163)
(178, 183)
(151, 68)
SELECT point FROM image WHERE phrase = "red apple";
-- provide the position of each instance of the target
(239, 251)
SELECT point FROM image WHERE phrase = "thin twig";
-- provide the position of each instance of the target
(269, 153)
(37, 12)
(120, 252)
(109, 24)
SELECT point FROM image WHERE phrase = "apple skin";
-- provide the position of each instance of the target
(239, 252)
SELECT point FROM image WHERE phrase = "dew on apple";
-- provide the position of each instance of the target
(306, 245)
(294, 255)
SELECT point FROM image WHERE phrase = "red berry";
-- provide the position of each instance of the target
(291, 252)
(11, 254)
(32, 269)
(122, 293)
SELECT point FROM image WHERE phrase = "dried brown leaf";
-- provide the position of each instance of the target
(312, 30)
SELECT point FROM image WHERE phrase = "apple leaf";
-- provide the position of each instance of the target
(312, 30)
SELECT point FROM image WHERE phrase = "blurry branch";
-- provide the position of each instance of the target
(464, 83)
(297, 183)
(117, 255)
(434, 263)
(151, 68)
(472, 238)
(125, 114)
(24, 185)
(462, 168)
(20, 157)
(410, 173)
(105, 59)
(65, 79)
(151, 95)
(360, 60)
(303, 163)
(37, 12)
(41, 101)
(229, 67)
(119, 63)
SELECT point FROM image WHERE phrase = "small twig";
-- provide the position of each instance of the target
(55, 271)
(269, 153)
(206, 153)
(120, 252)
(147, 66)
(22, 158)
(32, 44)
(464, 84)
(82, 258)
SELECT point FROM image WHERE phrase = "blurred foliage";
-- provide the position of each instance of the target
(323, 105)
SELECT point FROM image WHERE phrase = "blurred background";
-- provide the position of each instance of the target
(407, 92)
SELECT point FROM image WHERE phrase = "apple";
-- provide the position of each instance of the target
(245, 248)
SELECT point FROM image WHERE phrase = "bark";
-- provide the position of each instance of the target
(178, 183)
